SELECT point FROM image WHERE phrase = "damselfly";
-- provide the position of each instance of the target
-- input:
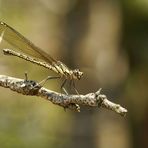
(20, 42)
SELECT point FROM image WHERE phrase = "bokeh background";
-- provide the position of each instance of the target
(108, 41)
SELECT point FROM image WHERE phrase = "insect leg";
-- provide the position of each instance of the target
(73, 83)
(70, 84)
(49, 78)
(62, 87)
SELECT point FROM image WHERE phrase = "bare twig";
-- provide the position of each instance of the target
(29, 87)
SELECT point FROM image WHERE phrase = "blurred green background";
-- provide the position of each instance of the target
(108, 41)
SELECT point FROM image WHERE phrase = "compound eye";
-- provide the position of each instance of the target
(79, 74)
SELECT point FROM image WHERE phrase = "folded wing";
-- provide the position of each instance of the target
(23, 44)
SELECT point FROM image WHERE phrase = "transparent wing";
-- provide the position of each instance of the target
(20, 42)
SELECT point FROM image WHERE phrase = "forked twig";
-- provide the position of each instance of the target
(32, 88)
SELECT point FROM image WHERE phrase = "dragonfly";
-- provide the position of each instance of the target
(34, 54)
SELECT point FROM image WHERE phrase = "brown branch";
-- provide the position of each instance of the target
(32, 88)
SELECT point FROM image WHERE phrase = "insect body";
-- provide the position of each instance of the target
(20, 42)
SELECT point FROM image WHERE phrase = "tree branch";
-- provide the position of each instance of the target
(72, 102)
